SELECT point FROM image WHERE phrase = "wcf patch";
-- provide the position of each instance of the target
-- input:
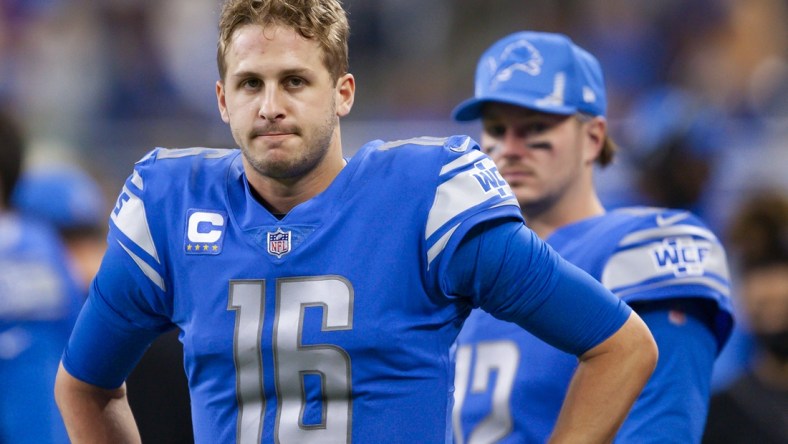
(682, 256)
(205, 231)
(490, 179)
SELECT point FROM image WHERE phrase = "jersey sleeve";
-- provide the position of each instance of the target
(469, 191)
(671, 254)
(128, 305)
(104, 346)
(505, 269)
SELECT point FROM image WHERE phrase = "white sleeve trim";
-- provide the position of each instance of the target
(131, 220)
(145, 268)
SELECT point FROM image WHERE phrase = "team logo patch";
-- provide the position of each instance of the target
(205, 231)
(681, 255)
(279, 242)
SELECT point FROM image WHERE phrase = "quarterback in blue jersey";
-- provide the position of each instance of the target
(541, 99)
(39, 303)
(318, 297)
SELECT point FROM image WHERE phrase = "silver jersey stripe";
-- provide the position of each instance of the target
(424, 141)
(706, 282)
(145, 268)
(670, 231)
(132, 221)
(466, 159)
(439, 245)
(208, 153)
(136, 179)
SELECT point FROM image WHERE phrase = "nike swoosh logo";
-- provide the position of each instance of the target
(670, 220)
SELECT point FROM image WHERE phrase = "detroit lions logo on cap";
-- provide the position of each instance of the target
(205, 231)
(530, 61)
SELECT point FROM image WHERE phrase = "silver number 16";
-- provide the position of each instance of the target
(292, 360)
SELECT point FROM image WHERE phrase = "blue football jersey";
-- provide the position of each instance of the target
(510, 385)
(325, 326)
(39, 302)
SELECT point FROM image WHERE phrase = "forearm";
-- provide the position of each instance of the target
(606, 383)
(92, 414)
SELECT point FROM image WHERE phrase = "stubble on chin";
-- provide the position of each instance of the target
(291, 159)
(268, 164)
(283, 163)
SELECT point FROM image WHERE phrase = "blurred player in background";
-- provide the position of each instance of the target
(309, 314)
(39, 303)
(754, 408)
(69, 198)
(541, 100)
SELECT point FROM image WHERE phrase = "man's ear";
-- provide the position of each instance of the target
(595, 133)
(345, 94)
(222, 101)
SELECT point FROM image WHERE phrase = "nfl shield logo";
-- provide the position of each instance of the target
(279, 242)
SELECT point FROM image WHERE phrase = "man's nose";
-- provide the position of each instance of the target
(510, 144)
(272, 104)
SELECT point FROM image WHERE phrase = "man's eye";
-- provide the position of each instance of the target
(294, 82)
(252, 83)
(536, 128)
(496, 131)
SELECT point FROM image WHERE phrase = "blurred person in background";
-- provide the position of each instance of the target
(674, 141)
(740, 62)
(39, 303)
(754, 408)
(542, 104)
(73, 201)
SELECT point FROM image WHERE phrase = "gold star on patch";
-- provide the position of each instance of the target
(189, 247)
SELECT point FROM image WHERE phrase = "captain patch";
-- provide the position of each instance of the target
(205, 231)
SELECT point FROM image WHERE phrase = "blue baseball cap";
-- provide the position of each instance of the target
(542, 71)
(63, 195)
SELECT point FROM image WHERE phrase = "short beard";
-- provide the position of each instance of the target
(307, 160)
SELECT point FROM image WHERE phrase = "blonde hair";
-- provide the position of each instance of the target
(324, 21)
